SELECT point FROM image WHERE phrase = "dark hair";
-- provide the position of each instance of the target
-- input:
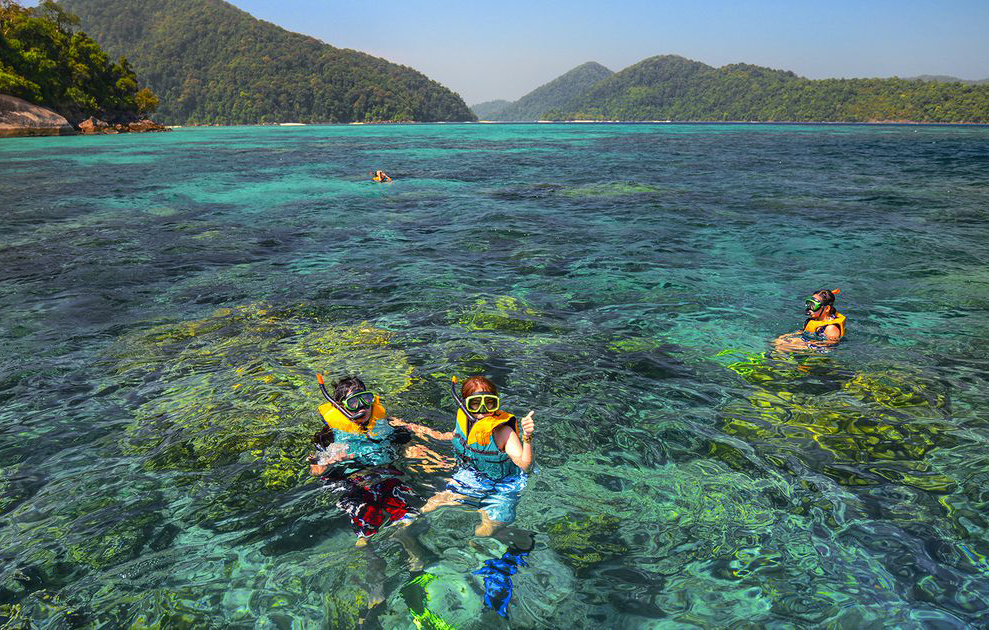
(346, 385)
(827, 295)
(477, 384)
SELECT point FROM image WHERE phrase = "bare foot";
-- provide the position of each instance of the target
(487, 526)
(438, 500)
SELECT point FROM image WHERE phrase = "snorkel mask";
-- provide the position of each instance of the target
(353, 405)
(813, 304)
(482, 402)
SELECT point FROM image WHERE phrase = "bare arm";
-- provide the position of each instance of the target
(519, 451)
(320, 463)
(790, 341)
(422, 431)
(428, 460)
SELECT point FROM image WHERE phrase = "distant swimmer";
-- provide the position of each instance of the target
(824, 326)
(380, 176)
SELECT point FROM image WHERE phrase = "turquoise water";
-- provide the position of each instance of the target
(167, 299)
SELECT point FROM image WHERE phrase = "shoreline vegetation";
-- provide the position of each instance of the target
(56, 80)
(875, 123)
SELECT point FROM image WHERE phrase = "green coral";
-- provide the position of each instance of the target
(586, 541)
(894, 389)
(504, 313)
(885, 421)
(774, 371)
(416, 596)
(238, 387)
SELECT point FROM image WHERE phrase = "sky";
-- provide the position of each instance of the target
(503, 50)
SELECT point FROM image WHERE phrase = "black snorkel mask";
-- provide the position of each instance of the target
(812, 305)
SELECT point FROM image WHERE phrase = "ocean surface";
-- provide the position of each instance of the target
(166, 301)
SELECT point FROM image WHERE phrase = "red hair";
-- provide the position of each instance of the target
(477, 384)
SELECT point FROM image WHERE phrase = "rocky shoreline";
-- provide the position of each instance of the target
(19, 118)
(94, 125)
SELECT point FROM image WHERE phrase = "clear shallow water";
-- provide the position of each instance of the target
(166, 300)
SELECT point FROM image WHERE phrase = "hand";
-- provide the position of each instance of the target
(527, 426)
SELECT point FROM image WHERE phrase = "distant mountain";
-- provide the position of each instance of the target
(555, 94)
(210, 62)
(941, 78)
(673, 88)
(485, 110)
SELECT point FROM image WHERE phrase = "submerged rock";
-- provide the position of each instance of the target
(21, 118)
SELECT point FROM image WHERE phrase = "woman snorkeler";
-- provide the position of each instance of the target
(494, 452)
(824, 326)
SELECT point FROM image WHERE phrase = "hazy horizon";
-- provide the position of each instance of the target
(505, 54)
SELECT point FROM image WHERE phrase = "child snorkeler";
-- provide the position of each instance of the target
(356, 453)
(494, 452)
(823, 327)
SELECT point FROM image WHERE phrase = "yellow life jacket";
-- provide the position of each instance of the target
(812, 325)
(376, 178)
(336, 420)
(481, 432)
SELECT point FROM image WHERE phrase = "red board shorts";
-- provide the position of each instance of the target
(374, 498)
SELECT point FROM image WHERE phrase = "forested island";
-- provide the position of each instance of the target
(211, 63)
(46, 61)
(556, 93)
(670, 87)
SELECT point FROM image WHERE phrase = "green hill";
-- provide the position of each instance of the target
(487, 109)
(46, 61)
(210, 62)
(555, 94)
(673, 88)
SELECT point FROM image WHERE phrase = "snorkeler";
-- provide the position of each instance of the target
(824, 326)
(380, 176)
(356, 454)
(494, 453)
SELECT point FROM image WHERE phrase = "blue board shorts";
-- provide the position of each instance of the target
(497, 498)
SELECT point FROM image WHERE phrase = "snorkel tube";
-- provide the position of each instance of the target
(326, 394)
(460, 403)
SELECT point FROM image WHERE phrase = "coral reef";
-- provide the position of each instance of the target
(237, 388)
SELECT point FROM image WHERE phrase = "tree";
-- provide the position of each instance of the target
(146, 101)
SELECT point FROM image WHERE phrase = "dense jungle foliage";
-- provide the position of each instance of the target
(673, 88)
(212, 63)
(557, 93)
(45, 60)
